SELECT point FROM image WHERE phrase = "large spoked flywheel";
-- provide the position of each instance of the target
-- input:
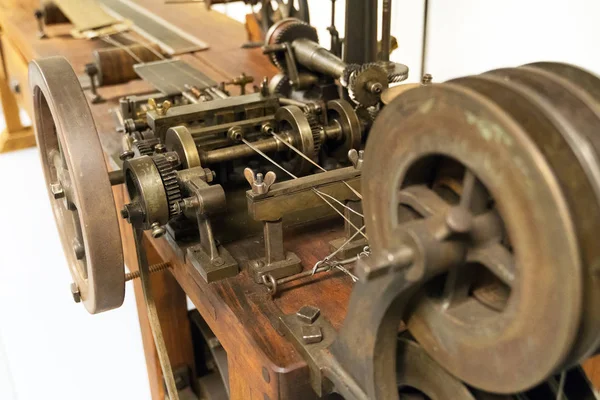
(78, 184)
(506, 318)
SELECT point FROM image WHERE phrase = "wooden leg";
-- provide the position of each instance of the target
(172, 311)
(15, 136)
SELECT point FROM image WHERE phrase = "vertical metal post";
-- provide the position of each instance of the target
(361, 31)
(386, 30)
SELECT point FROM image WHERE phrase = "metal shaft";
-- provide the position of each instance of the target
(386, 30)
(224, 154)
(317, 58)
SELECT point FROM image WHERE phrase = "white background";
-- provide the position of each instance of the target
(51, 348)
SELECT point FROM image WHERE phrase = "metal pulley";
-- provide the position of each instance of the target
(509, 161)
(78, 184)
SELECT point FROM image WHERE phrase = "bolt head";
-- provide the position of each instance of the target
(160, 148)
(75, 292)
(312, 334)
(126, 155)
(57, 190)
(308, 314)
(157, 230)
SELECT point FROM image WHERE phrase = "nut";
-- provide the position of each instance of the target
(308, 314)
(311, 334)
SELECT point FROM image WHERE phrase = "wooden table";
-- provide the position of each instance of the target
(262, 363)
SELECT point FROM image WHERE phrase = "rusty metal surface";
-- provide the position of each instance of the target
(493, 351)
(416, 370)
(572, 148)
(71, 156)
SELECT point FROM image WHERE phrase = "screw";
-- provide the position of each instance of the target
(57, 190)
(126, 155)
(308, 314)
(312, 334)
(426, 80)
(75, 292)
(256, 264)
(160, 148)
(15, 86)
(157, 230)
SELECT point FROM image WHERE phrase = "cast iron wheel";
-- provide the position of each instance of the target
(447, 134)
(78, 184)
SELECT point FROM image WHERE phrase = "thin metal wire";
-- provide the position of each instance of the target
(330, 256)
(143, 43)
(561, 386)
(115, 43)
(293, 148)
(317, 192)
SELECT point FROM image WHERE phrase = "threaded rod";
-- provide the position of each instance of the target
(153, 268)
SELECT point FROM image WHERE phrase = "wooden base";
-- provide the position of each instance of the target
(21, 139)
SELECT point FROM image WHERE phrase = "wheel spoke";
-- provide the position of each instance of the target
(423, 200)
(497, 259)
(456, 287)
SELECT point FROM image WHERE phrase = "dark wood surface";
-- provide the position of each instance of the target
(240, 312)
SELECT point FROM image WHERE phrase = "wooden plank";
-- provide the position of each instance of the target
(85, 14)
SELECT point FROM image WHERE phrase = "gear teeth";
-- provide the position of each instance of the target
(345, 78)
(289, 32)
(356, 74)
(145, 147)
(170, 183)
(316, 129)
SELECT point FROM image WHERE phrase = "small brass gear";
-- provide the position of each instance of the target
(362, 78)
(317, 131)
(170, 183)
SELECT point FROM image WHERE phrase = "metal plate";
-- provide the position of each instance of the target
(171, 39)
(171, 76)
(494, 354)
(72, 155)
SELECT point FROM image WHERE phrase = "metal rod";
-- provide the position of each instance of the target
(152, 269)
(159, 340)
(424, 44)
(360, 37)
(386, 30)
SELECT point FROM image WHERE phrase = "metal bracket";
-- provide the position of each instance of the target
(211, 260)
(276, 262)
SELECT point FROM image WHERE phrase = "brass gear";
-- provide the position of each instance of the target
(317, 131)
(170, 183)
(285, 31)
(367, 74)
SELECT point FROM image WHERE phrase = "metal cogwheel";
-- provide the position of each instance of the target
(285, 31)
(396, 72)
(317, 131)
(144, 147)
(361, 80)
(345, 78)
(170, 183)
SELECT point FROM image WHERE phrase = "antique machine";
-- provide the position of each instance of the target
(459, 217)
